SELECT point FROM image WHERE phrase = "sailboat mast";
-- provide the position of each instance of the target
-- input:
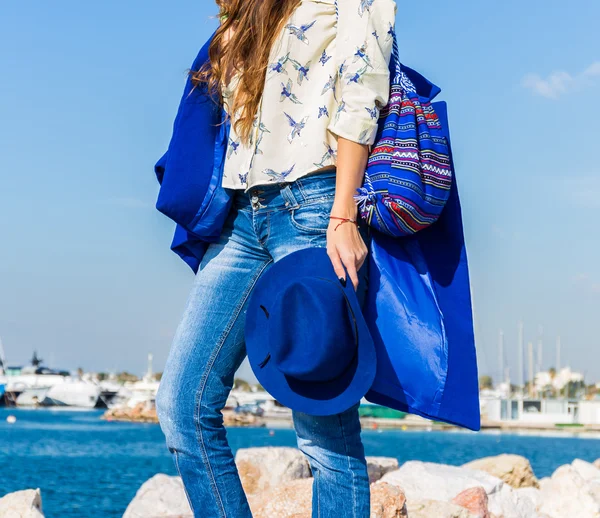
(149, 373)
(501, 356)
(531, 382)
(520, 353)
(540, 349)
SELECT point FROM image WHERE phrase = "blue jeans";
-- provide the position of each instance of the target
(264, 225)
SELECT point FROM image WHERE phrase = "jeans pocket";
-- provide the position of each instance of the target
(312, 217)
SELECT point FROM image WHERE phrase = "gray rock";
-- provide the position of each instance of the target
(531, 493)
(424, 481)
(294, 500)
(544, 481)
(567, 494)
(160, 497)
(291, 499)
(436, 509)
(586, 470)
(22, 504)
(515, 470)
(475, 500)
(512, 503)
(263, 468)
(387, 502)
(379, 466)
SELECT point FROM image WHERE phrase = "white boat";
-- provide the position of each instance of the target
(27, 377)
(36, 385)
(144, 390)
(113, 394)
(74, 393)
(32, 396)
(19, 379)
(257, 398)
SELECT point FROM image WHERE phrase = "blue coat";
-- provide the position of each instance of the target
(418, 306)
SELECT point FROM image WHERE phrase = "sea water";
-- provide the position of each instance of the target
(88, 467)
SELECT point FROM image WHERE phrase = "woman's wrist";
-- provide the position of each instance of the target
(344, 209)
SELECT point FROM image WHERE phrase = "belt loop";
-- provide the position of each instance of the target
(289, 198)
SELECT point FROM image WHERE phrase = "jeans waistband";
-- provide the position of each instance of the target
(288, 194)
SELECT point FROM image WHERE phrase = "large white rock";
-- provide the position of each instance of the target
(263, 468)
(531, 493)
(161, 496)
(425, 481)
(294, 500)
(436, 509)
(567, 494)
(586, 470)
(515, 470)
(291, 499)
(379, 466)
(509, 502)
(22, 504)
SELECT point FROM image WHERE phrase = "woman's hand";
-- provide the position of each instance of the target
(345, 247)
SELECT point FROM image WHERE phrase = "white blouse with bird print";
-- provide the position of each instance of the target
(325, 79)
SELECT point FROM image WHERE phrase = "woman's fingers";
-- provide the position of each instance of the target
(361, 260)
(350, 264)
(338, 267)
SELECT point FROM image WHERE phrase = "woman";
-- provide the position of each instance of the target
(303, 82)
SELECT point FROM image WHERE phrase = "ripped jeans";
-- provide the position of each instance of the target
(264, 225)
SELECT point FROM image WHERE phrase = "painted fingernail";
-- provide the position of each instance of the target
(343, 282)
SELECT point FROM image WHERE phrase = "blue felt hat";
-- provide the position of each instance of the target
(307, 341)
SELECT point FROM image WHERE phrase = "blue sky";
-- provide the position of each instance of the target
(88, 93)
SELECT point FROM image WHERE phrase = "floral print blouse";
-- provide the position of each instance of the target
(327, 77)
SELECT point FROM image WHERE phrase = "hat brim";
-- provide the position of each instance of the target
(313, 398)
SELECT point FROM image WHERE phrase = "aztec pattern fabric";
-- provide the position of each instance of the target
(409, 175)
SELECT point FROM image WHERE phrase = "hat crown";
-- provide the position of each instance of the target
(315, 339)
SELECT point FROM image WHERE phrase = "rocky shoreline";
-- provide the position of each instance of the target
(144, 413)
(279, 485)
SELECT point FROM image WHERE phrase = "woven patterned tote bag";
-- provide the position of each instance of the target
(408, 176)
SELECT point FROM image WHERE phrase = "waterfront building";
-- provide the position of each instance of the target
(560, 411)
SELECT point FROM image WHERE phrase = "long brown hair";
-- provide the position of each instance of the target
(255, 25)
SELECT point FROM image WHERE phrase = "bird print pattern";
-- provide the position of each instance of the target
(286, 93)
(262, 129)
(330, 155)
(365, 5)
(300, 31)
(302, 70)
(297, 127)
(232, 146)
(278, 177)
(323, 80)
(279, 65)
(324, 58)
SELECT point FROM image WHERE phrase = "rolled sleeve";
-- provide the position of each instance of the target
(364, 45)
